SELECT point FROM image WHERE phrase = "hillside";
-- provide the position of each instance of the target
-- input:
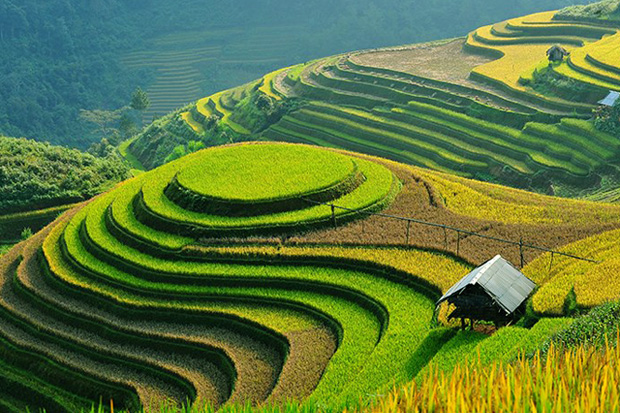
(487, 106)
(38, 181)
(283, 245)
(60, 56)
(244, 288)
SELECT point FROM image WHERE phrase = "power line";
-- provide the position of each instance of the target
(458, 231)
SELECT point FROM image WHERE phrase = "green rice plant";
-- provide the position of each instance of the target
(585, 128)
(257, 361)
(488, 201)
(256, 173)
(149, 261)
(522, 151)
(438, 271)
(211, 379)
(453, 353)
(291, 319)
(376, 133)
(377, 189)
(255, 271)
(506, 344)
(578, 149)
(413, 131)
(331, 304)
(336, 137)
(102, 366)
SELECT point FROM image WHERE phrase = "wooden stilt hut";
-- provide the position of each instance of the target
(495, 291)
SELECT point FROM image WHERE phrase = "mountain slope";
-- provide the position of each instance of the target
(471, 107)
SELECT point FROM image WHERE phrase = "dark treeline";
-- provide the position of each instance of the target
(60, 56)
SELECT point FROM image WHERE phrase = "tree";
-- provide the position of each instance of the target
(127, 126)
(178, 152)
(140, 101)
(102, 118)
(182, 150)
(26, 233)
(607, 119)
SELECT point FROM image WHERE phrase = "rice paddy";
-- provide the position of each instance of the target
(255, 274)
(185, 315)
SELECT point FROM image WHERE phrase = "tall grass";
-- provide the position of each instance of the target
(580, 379)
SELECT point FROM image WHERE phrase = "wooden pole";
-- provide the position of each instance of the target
(408, 228)
(458, 242)
(521, 251)
(445, 238)
(333, 215)
(551, 262)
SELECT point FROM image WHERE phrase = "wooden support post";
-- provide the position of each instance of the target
(458, 241)
(521, 251)
(445, 238)
(462, 323)
(408, 228)
(333, 215)
(551, 262)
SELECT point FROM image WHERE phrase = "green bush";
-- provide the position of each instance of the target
(593, 328)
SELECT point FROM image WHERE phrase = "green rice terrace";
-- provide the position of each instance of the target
(489, 106)
(283, 245)
(184, 286)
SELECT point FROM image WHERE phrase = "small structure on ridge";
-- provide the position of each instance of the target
(495, 291)
(611, 99)
(556, 53)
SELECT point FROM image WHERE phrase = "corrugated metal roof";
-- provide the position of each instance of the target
(611, 99)
(505, 284)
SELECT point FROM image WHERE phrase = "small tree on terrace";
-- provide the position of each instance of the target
(140, 102)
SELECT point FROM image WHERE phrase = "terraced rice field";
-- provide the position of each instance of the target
(593, 59)
(425, 123)
(217, 279)
(183, 61)
(456, 106)
(250, 332)
(226, 278)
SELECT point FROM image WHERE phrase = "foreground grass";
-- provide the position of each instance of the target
(580, 379)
